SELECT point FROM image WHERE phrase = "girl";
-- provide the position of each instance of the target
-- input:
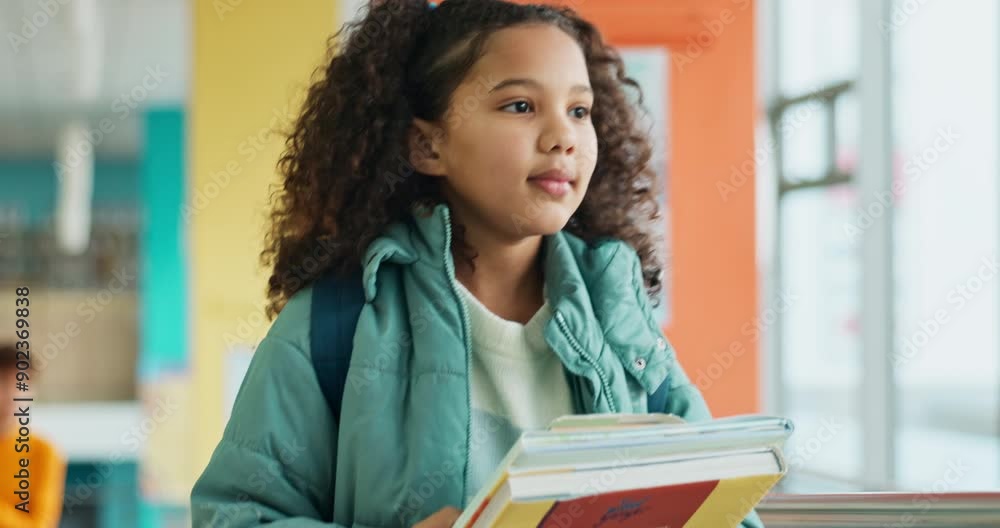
(477, 169)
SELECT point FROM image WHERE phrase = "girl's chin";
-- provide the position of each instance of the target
(540, 223)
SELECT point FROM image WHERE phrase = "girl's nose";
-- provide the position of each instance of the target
(558, 136)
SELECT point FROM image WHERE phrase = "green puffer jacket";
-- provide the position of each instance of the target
(404, 440)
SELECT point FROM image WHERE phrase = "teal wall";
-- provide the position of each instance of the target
(29, 185)
(163, 297)
(164, 332)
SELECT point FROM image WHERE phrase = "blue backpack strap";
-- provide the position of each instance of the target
(333, 318)
(657, 402)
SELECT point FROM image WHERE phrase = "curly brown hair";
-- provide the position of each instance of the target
(346, 174)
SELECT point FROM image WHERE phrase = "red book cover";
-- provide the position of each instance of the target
(662, 507)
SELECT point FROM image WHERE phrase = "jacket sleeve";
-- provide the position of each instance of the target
(275, 462)
(683, 397)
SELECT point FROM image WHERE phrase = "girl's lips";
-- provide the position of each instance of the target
(552, 174)
(554, 187)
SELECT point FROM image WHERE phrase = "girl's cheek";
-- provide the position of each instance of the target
(510, 146)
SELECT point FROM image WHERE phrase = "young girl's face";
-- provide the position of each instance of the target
(523, 110)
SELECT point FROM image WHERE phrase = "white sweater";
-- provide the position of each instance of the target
(517, 383)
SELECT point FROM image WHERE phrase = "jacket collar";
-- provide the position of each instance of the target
(594, 291)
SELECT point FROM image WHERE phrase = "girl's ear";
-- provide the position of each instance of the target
(424, 144)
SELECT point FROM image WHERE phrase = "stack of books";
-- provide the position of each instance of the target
(633, 471)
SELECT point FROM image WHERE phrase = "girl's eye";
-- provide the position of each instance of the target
(520, 106)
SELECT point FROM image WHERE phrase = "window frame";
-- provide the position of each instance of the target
(872, 87)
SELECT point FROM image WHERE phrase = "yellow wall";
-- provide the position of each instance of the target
(252, 61)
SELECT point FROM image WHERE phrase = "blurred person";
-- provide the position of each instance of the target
(26, 458)
(476, 168)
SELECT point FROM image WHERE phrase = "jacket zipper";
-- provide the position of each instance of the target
(450, 268)
(605, 386)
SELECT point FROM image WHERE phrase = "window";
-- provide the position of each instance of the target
(887, 356)
(946, 230)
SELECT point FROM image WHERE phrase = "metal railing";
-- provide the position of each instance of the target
(890, 509)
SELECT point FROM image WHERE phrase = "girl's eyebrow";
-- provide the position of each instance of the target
(535, 84)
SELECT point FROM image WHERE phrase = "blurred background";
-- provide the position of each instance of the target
(830, 193)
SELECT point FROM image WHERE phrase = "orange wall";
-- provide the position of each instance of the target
(712, 115)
